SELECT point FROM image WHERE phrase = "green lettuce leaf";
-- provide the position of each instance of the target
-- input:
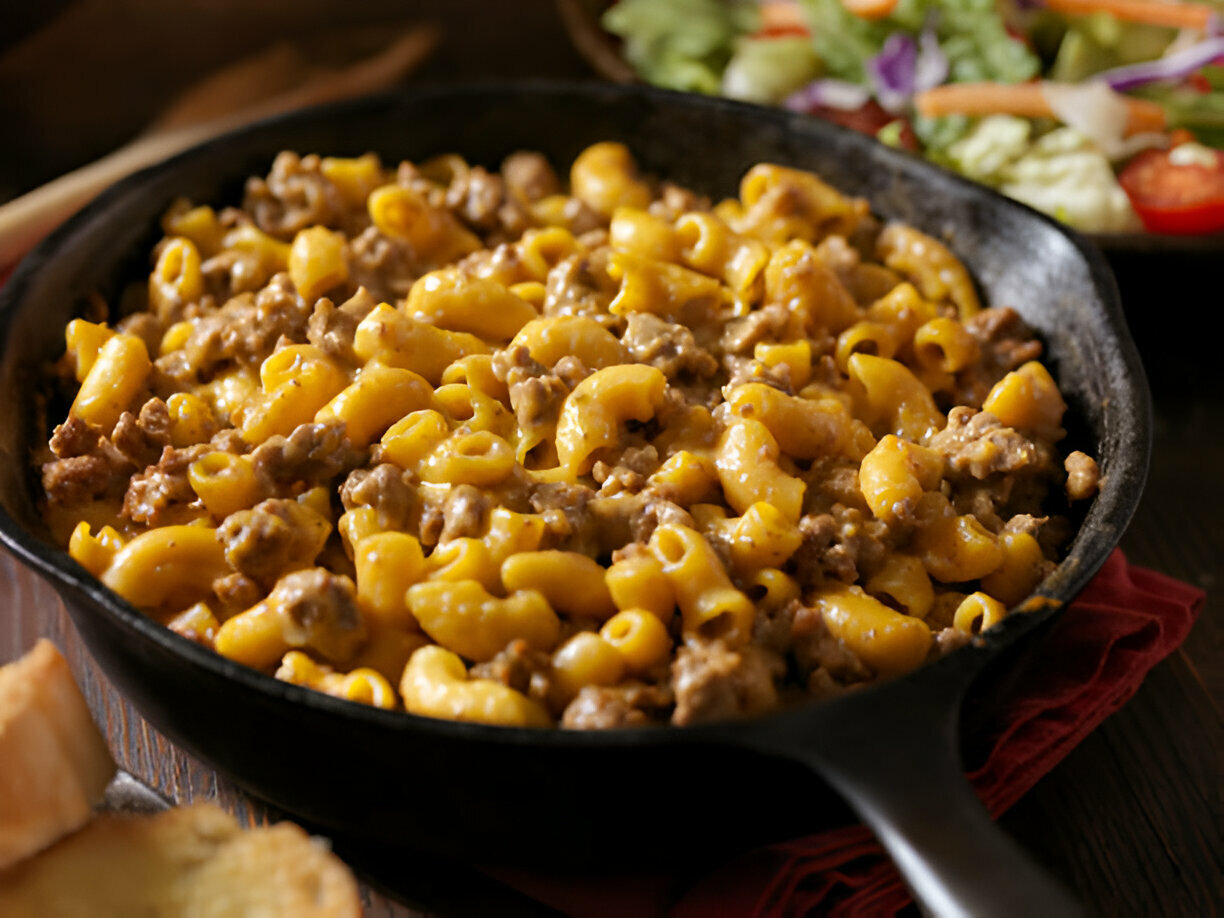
(971, 34)
(767, 70)
(681, 44)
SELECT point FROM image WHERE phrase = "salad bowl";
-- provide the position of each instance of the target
(1073, 107)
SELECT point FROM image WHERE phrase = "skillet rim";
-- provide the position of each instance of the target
(1073, 572)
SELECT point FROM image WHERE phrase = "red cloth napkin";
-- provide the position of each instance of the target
(1092, 661)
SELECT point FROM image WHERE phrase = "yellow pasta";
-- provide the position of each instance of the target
(605, 177)
(464, 617)
(376, 399)
(474, 305)
(639, 636)
(571, 582)
(747, 463)
(594, 412)
(317, 262)
(709, 603)
(397, 340)
(388, 563)
(116, 377)
(640, 582)
(1028, 399)
(549, 339)
(436, 684)
(462, 443)
(585, 659)
(166, 566)
(887, 641)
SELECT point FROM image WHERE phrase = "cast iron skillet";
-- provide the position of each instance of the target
(637, 796)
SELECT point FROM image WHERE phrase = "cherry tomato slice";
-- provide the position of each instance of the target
(868, 119)
(1183, 195)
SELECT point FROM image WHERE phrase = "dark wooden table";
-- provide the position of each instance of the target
(1131, 820)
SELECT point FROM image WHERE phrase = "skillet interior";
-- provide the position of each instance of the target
(561, 797)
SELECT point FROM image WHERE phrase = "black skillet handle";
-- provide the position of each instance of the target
(895, 759)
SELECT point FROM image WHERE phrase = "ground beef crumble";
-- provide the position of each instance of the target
(715, 682)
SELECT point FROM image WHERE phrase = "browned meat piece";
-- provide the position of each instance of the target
(475, 196)
(331, 328)
(715, 682)
(312, 455)
(1083, 476)
(762, 324)
(237, 592)
(281, 313)
(537, 400)
(1006, 341)
(320, 611)
(464, 513)
(270, 539)
(295, 195)
(530, 176)
(581, 219)
(142, 439)
(840, 544)
(749, 370)
(580, 520)
(983, 499)
(950, 639)
(248, 327)
(229, 440)
(629, 705)
(833, 480)
(86, 466)
(519, 667)
(386, 488)
(385, 266)
(478, 198)
(172, 373)
(636, 464)
(816, 650)
(502, 263)
(536, 394)
(78, 479)
(145, 326)
(995, 472)
(230, 273)
(836, 253)
(651, 513)
(668, 347)
(674, 201)
(563, 507)
(977, 445)
(580, 286)
(75, 437)
(158, 491)
(1023, 522)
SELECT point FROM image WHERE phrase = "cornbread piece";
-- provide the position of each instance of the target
(54, 765)
(188, 862)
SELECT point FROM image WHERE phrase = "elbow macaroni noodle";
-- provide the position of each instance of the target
(457, 443)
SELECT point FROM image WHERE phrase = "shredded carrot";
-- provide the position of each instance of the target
(1169, 13)
(782, 17)
(870, 9)
(1025, 100)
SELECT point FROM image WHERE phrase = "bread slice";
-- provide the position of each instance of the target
(54, 764)
(189, 862)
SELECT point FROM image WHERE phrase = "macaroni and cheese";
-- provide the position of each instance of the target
(495, 447)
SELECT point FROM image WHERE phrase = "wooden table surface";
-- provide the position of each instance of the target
(1130, 820)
